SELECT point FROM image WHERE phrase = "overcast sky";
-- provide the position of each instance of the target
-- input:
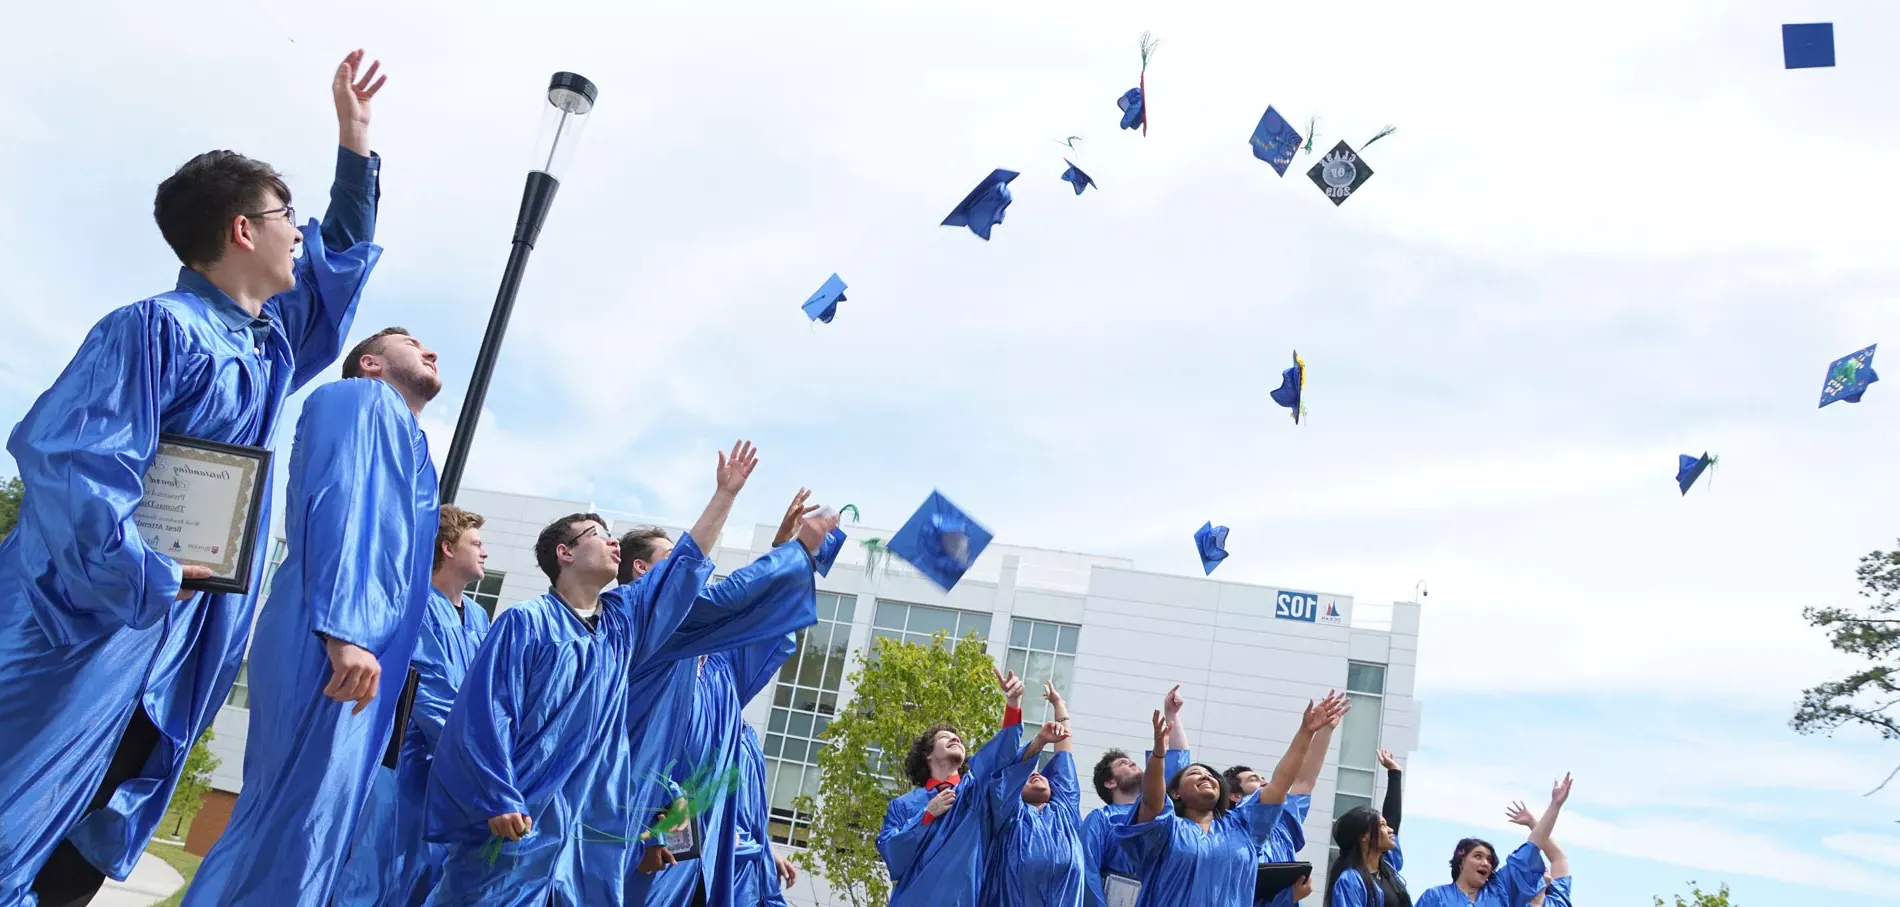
(1600, 238)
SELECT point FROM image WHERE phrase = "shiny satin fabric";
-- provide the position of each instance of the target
(1098, 859)
(940, 863)
(1035, 858)
(360, 519)
(89, 622)
(1180, 865)
(1513, 884)
(1350, 891)
(391, 864)
(1284, 842)
(755, 879)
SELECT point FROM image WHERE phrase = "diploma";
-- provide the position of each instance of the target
(683, 842)
(203, 501)
(1120, 890)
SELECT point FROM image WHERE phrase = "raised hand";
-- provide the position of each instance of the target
(736, 468)
(1171, 704)
(1345, 706)
(1050, 695)
(813, 529)
(1560, 791)
(788, 526)
(1052, 732)
(352, 92)
(1012, 687)
(1519, 815)
(1162, 726)
(942, 802)
(354, 674)
(1387, 761)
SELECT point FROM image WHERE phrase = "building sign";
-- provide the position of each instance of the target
(1308, 608)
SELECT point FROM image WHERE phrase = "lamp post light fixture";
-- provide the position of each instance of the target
(570, 100)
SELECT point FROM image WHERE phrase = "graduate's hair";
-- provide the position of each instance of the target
(194, 206)
(1221, 804)
(368, 346)
(455, 521)
(1105, 772)
(917, 761)
(1348, 831)
(1464, 849)
(1232, 777)
(554, 536)
(638, 545)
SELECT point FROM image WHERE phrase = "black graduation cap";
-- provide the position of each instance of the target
(1340, 173)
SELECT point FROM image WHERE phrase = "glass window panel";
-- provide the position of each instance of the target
(1017, 661)
(819, 726)
(1067, 639)
(892, 635)
(890, 616)
(1344, 802)
(810, 788)
(1355, 781)
(804, 698)
(786, 778)
(1359, 733)
(1065, 674)
(800, 725)
(847, 608)
(776, 724)
(780, 829)
(926, 621)
(1042, 666)
(969, 622)
(774, 745)
(834, 670)
(788, 672)
(1365, 678)
(782, 696)
(827, 704)
(1019, 632)
(1044, 636)
(827, 606)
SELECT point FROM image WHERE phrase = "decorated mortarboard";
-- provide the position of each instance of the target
(1211, 541)
(1340, 173)
(1134, 102)
(1075, 175)
(828, 551)
(1848, 377)
(940, 541)
(1807, 46)
(1275, 141)
(823, 305)
(983, 207)
(1689, 469)
(1292, 386)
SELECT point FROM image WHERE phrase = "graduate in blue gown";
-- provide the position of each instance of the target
(1478, 880)
(1035, 857)
(1366, 871)
(331, 653)
(109, 669)
(1187, 847)
(530, 785)
(390, 864)
(1118, 782)
(934, 838)
(762, 874)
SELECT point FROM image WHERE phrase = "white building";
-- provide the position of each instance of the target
(1112, 638)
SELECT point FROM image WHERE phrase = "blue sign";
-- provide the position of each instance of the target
(1296, 606)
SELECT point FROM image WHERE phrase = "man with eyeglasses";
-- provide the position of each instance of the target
(333, 643)
(110, 667)
(537, 788)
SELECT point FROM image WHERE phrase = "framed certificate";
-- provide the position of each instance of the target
(1272, 878)
(203, 501)
(405, 704)
(1120, 890)
(683, 841)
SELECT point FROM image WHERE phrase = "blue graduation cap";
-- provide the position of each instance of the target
(1212, 542)
(828, 551)
(940, 541)
(1275, 141)
(1292, 385)
(983, 207)
(823, 305)
(1075, 175)
(1848, 377)
(1133, 117)
(1807, 46)
(1689, 469)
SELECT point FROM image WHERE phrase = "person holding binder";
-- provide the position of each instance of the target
(330, 657)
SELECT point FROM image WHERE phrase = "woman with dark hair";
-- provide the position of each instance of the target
(1478, 881)
(1035, 857)
(1366, 872)
(1188, 848)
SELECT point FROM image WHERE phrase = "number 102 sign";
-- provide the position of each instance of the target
(1306, 608)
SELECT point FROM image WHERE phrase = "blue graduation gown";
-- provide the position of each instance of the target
(756, 882)
(1035, 858)
(1179, 865)
(693, 720)
(1350, 891)
(89, 622)
(940, 863)
(1513, 885)
(360, 519)
(1283, 844)
(391, 864)
(1559, 895)
(1098, 859)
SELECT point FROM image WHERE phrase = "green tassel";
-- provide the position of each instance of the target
(1312, 132)
(1148, 45)
(1382, 134)
(850, 509)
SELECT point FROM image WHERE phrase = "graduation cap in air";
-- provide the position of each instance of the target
(1275, 141)
(1848, 377)
(1075, 175)
(1292, 385)
(1340, 173)
(1211, 540)
(828, 551)
(940, 541)
(1807, 46)
(1690, 468)
(983, 207)
(823, 305)
(1133, 116)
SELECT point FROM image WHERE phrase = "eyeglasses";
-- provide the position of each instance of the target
(289, 213)
(596, 530)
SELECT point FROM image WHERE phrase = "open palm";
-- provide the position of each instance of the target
(353, 88)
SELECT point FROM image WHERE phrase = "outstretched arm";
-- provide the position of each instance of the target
(730, 477)
(1540, 833)
(1061, 710)
(1316, 756)
(1154, 782)
(1171, 708)
(1393, 798)
(1315, 717)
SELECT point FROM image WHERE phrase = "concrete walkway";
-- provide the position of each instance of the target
(151, 881)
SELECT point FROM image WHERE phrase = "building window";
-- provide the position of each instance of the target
(803, 704)
(278, 551)
(487, 591)
(918, 623)
(1040, 651)
(1359, 737)
(240, 697)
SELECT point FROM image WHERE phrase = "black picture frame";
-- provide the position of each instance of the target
(1120, 890)
(241, 575)
(687, 838)
(405, 704)
(1272, 878)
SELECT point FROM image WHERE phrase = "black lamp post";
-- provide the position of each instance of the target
(570, 99)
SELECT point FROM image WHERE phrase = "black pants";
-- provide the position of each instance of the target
(68, 879)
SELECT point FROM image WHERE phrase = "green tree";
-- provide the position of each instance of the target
(901, 689)
(11, 491)
(192, 785)
(1699, 898)
(1871, 633)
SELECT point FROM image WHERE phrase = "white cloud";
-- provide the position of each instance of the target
(1883, 849)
